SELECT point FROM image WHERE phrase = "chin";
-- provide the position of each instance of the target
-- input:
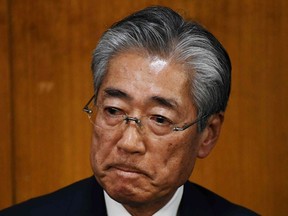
(132, 191)
(126, 194)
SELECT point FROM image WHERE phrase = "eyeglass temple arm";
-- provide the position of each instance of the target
(189, 125)
(86, 107)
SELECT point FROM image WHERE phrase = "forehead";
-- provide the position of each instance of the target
(142, 77)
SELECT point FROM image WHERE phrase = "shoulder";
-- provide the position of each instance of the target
(203, 201)
(77, 196)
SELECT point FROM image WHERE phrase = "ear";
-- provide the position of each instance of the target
(210, 134)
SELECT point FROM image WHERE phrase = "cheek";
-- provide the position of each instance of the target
(101, 146)
(178, 160)
(187, 162)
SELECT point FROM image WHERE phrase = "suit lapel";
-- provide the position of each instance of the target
(88, 200)
(194, 202)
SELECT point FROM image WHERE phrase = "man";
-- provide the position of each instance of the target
(161, 90)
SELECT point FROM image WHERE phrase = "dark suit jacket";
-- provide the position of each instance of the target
(86, 198)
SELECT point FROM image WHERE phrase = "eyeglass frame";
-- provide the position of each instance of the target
(127, 118)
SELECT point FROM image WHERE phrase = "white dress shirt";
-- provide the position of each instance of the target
(170, 209)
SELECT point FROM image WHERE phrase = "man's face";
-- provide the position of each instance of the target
(134, 165)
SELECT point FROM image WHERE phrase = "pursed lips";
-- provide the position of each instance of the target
(133, 170)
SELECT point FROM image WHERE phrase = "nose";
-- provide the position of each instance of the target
(131, 140)
(128, 119)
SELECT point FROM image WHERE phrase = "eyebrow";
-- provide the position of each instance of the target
(117, 93)
(169, 103)
(165, 102)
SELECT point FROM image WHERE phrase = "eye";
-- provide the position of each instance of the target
(113, 111)
(161, 120)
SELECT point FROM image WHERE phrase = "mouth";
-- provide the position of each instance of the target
(127, 171)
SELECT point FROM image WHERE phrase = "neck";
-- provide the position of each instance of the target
(147, 209)
(167, 205)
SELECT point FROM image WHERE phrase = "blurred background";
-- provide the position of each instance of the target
(45, 80)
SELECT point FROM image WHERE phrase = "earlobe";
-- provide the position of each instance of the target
(210, 134)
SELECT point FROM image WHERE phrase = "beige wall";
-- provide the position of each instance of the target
(45, 80)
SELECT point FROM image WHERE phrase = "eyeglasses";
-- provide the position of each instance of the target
(111, 118)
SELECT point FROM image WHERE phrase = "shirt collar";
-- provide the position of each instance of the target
(170, 209)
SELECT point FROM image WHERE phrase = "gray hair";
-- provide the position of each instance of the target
(162, 32)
